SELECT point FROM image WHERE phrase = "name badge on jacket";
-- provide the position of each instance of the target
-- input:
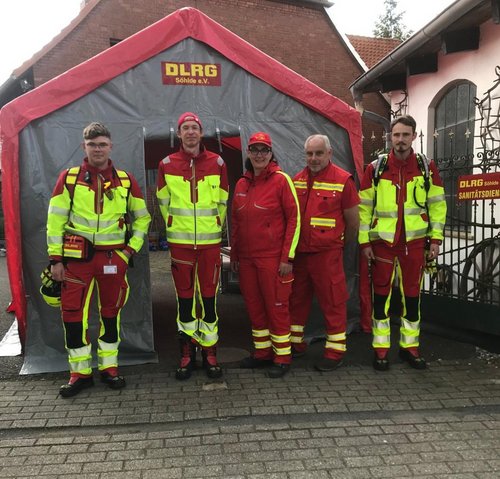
(110, 269)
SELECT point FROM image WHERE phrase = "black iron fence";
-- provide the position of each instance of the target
(469, 264)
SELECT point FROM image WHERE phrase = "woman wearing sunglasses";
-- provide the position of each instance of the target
(265, 226)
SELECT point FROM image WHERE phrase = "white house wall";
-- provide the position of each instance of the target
(477, 66)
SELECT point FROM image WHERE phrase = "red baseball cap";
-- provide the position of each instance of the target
(260, 137)
(188, 116)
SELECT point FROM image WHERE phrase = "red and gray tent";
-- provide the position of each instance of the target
(138, 88)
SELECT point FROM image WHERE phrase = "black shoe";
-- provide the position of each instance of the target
(278, 370)
(210, 364)
(183, 373)
(253, 363)
(114, 382)
(298, 353)
(213, 372)
(326, 364)
(70, 390)
(185, 369)
(416, 362)
(380, 364)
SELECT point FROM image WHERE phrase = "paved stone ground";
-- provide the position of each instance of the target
(353, 423)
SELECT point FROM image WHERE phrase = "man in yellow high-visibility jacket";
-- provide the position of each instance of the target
(192, 192)
(402, 214)
(88, 244)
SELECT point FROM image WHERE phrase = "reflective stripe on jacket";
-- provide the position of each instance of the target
(320, 200)
(265, 220)
(192, 194)
(400, 205)
(95, 204)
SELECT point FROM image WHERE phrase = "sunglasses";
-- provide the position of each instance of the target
(256, 151)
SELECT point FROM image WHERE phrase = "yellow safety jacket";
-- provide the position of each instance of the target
(401, 204)
(192, 194)
(97, 205)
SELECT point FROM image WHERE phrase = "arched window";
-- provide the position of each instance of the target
(454, 138)
(454, 121)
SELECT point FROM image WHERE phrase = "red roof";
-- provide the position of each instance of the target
(371, 49)
(91, 74)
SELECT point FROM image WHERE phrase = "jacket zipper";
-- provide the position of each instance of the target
(193, 196)
(99, 200)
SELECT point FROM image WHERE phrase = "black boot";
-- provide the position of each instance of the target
(73, 388)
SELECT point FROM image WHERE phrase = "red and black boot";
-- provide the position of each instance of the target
(210, 364)
(188, 358)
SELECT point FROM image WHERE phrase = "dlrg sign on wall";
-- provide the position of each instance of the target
(479, 187)
(196, 74)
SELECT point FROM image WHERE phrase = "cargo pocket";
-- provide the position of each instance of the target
(122, 296)
(339, 292)
(382, 273)
(72, 294)
(119, 200)
(182, 272)
(283, 288)
(215, 278)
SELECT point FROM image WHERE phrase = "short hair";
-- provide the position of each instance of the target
(94, 130)
(405, 120)
(325, 139)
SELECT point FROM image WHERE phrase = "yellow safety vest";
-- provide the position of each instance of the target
(74, 211)
(424, 212)
(199, 222)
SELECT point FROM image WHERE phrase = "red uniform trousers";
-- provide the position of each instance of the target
(108, 269)
(266, 296)
(408, 262)
(321, 273)
(196, 279)
(365, 295)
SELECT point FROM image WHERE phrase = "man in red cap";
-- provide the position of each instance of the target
(192, 193)
(329, 217)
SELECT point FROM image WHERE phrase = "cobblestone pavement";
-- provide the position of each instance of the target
(353, 423)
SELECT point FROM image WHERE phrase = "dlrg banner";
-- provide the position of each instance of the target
(484, 186)
(196, 74)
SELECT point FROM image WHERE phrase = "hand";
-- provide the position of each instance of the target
(235, 266)
(368, 253)
(57, 271)
(433, 251)
(127, 253)
(285, 269)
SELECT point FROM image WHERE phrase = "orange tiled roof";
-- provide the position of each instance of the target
(371, 49)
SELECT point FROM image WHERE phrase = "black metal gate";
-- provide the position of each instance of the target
(464, 292)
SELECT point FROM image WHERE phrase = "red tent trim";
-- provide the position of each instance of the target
(89, 75)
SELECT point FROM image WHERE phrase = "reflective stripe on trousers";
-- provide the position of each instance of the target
(80, 360)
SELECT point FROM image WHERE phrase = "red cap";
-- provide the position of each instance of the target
(188, 116)
(260, 137)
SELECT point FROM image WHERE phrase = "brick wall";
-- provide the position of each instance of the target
(301, 37)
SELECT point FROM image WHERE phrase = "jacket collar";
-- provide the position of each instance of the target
(94, 171)
(188, 156)
(324, 172)
(410, 162)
